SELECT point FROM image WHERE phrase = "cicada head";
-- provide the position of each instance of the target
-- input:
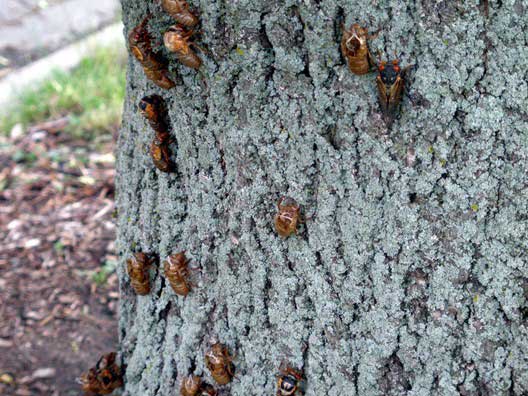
(389, 72)
(152, 106)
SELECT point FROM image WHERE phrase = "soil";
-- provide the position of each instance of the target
(57, 284)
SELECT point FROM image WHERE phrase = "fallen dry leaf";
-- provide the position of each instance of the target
(46, 372)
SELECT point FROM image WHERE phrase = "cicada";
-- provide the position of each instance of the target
(153, 108)
(288, 381)
(160, 154)
(177, 272)
(287, 217)
(104, 378)
(137, 268)
(219, 363)
(207, 390)
(176, 39)
(390, 82)
(190, 385)
(154, 65)
(179, 10)
(354, 46)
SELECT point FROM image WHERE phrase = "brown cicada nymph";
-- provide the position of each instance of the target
(154, 65)
(179, 10)
(176, 39)
(153, 108)
(104, 378)
(390, 82)
(177, 272)
(138, 271)
(354, 46)
(220, 364)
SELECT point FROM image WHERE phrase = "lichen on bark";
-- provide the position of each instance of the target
(410, 277)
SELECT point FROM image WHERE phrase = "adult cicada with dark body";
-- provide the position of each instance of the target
(391, 84)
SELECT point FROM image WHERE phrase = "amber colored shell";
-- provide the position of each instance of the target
(159, 76)
(154, 66)
(104, 378)
(190, 385)
(137, 268)
(287, 218)
(354, 47)
(179, 10)
(176, 40)
(177, 273)
(219, 363)
(208, 390)
(154, 109)
(288, 382)
(160, 154)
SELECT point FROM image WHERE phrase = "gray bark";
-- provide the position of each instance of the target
(411, 278)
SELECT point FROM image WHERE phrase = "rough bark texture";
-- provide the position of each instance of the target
(411, 278)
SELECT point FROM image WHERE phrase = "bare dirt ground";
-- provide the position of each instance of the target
(58, 290)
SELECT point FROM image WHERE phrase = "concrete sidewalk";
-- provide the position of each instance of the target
(31, 29)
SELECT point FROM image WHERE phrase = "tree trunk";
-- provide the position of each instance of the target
(409, 274)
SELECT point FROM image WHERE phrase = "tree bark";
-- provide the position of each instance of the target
(410, 277)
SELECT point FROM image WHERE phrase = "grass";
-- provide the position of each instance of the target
(100, 276)
(91, 94)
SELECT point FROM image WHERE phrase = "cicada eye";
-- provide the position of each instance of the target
(142, 106)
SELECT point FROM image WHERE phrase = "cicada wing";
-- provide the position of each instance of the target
(382, 95)
(395, 97)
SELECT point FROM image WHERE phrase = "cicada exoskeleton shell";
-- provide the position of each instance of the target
(154, 65)
(138, 270)
(354, 46)
(104, 378)
(220, 364)
(160, 76)
(154, 109)
(177, 273)
(190, 385)
(179, 10)
(160, 154)
(207, 390)
(176, 39)
(287, 217)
